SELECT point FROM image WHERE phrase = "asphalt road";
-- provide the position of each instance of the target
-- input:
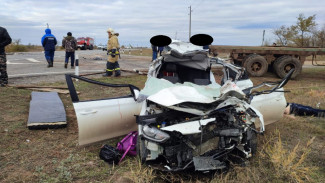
(31, 67)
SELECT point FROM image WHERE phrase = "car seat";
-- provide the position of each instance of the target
(170, 73)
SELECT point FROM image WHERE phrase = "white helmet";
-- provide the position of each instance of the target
(110, 30)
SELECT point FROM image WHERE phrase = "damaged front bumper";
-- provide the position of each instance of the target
(200, 144)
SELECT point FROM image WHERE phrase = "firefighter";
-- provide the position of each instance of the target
(5, 39)
(113, 54)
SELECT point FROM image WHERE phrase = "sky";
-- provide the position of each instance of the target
(229, 22)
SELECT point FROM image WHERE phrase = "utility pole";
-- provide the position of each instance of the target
(176, 35)
(47, 25)
(189, 36)
(263, 37)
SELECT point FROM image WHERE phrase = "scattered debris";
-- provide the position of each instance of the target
(46, 111)
(98, 58)
(58, 89)
(135, 71)
(140, 72)
(94, 73)
(50, 90)
(109, 154)
(35, 86)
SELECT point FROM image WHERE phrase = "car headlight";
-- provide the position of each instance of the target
(154, 134)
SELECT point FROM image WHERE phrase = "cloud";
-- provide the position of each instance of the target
(228, 22)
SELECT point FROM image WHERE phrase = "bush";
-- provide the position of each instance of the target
(16, 48)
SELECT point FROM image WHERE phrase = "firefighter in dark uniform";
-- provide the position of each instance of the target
(113, 54)
(5, 39)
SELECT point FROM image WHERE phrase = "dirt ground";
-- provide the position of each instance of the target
(53, 155)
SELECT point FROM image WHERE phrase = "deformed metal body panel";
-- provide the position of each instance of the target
(105, 119)
(188, 128)
(270, 105)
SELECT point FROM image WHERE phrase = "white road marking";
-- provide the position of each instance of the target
(53, 73)
(29, 59)
(9, 63)
(32, 60)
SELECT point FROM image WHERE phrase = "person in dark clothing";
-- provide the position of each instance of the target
(70, 45)
(302, 110)
(160, 49)
(5, 40)
(49, 42)
(154, 52)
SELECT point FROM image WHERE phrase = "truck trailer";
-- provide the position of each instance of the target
(258, 60)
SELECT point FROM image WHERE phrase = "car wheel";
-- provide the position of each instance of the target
(255, 65)
(284, 64)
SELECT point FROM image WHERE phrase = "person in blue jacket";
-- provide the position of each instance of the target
(49, 42)
(160, 50)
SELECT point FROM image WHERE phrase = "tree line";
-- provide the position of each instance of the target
(304, 33)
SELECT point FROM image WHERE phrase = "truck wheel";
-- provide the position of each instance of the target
(256, 65)
(284, 64)
(91, 47)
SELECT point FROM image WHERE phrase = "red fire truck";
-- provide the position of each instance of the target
(85, 43)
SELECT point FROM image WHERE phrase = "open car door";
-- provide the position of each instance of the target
(103, 119)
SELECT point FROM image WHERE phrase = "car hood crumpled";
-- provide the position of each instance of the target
(166, 93)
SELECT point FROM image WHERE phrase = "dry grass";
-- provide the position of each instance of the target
(140, 173)
(288, 164)
(139, 52)
(275, 162)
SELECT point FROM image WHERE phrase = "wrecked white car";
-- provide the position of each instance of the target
(184, 118)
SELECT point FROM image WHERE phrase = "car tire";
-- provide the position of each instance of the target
(284, 64)
(255, 65)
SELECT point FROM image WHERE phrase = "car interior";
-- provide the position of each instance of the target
(176, 73)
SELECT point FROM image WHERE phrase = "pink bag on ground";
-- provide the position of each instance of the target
(128, 145)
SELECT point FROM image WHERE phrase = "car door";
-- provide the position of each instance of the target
(270, 105)
(103, 119)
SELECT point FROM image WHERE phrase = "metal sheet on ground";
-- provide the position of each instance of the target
(46, 110)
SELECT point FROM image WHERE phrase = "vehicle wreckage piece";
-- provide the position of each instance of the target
(103, 119)
(200, 130)
(184, 118)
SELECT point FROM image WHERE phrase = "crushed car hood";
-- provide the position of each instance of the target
(166, 93)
